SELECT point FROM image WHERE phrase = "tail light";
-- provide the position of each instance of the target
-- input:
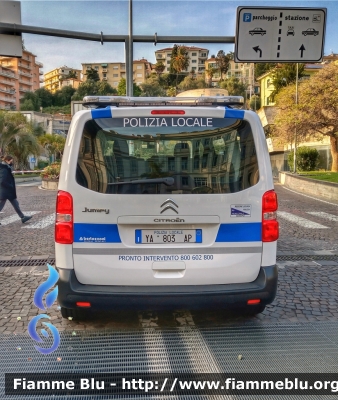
(270, 227)
(64, 218)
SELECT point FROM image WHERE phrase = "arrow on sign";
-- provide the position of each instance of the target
(302, 48)
(256, 48)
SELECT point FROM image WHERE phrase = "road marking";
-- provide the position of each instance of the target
(305, 223)
(323, 214)
(310, 197)
(42, 223)
(15, 217)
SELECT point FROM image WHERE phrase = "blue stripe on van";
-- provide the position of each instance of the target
(231, 113)
(240, 232)
(101, 113)
(96, 233)
(108, 233)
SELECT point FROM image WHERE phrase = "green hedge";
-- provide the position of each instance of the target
(307, 159)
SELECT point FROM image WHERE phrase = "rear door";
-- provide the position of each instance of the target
(168, 197)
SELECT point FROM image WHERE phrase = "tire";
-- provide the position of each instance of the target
(73, 313)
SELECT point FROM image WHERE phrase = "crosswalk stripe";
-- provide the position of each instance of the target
(303, 222)
(323, 214)
(15, 217)
(42, 223)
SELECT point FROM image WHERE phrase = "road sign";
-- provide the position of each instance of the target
(278, 34)
(10, 45)
(33, 160)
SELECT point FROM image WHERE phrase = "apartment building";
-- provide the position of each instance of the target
(113, 72)
(197, 58)
(245, 72)
(55, 79)
(24, 73)
(7, 88)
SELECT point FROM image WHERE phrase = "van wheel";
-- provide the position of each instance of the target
(73, 313)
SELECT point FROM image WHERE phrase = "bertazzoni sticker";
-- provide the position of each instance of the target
(240, 210)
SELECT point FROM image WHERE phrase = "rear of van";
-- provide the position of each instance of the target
(165, 203)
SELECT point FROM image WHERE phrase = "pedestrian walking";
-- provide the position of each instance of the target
(7, 187)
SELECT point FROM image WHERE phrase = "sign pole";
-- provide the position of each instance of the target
(295, 139)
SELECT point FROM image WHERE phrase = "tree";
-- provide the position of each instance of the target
(45, 97)
(53, 144)
(180, 61)
(152, 88)
(21, 148)
(261, 68)
(64, 96)
(92, 75)
(284, 75)
(234, 87)
(85, 89)
(122, 88)
(222, 62)
(30, 102)
(71, 74)
(159, 67)
(255, 102)
(315, 115)
(104, 89)
(189, 83)
(210, 72)
(18, 137)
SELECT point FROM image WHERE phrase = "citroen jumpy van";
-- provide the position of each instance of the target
(165, 202)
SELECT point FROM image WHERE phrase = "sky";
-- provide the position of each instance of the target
(174, 18)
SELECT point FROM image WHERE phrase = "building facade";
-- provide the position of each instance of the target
(197, 58)
(21, 75)
(245, 72)
(54, 79)
(112, 73)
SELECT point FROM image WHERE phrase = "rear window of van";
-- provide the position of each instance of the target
(167, 156)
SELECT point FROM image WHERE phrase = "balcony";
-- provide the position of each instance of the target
(7, 99)
(10, 83)
(29, 83)
(104, 70)
(25, 74)
(21, 65)
(2, 73)
(24, 90)
(39, 64)
(12, 91)
(40, 72)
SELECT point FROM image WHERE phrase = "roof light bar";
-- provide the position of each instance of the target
(100, 101)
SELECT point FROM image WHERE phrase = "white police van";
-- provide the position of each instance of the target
(165, 202)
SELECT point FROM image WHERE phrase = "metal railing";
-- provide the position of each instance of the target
(37, 171)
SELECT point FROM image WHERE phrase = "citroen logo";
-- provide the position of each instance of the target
(168, 205)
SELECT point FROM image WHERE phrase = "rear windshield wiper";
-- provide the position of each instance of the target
(168, 181)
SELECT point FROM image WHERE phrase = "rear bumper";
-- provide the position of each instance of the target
(159, 297)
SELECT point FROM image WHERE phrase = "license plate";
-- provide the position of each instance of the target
(168, 236)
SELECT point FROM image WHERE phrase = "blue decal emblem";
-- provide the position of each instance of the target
(38, 302)
(34, 335)
(44, 287)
